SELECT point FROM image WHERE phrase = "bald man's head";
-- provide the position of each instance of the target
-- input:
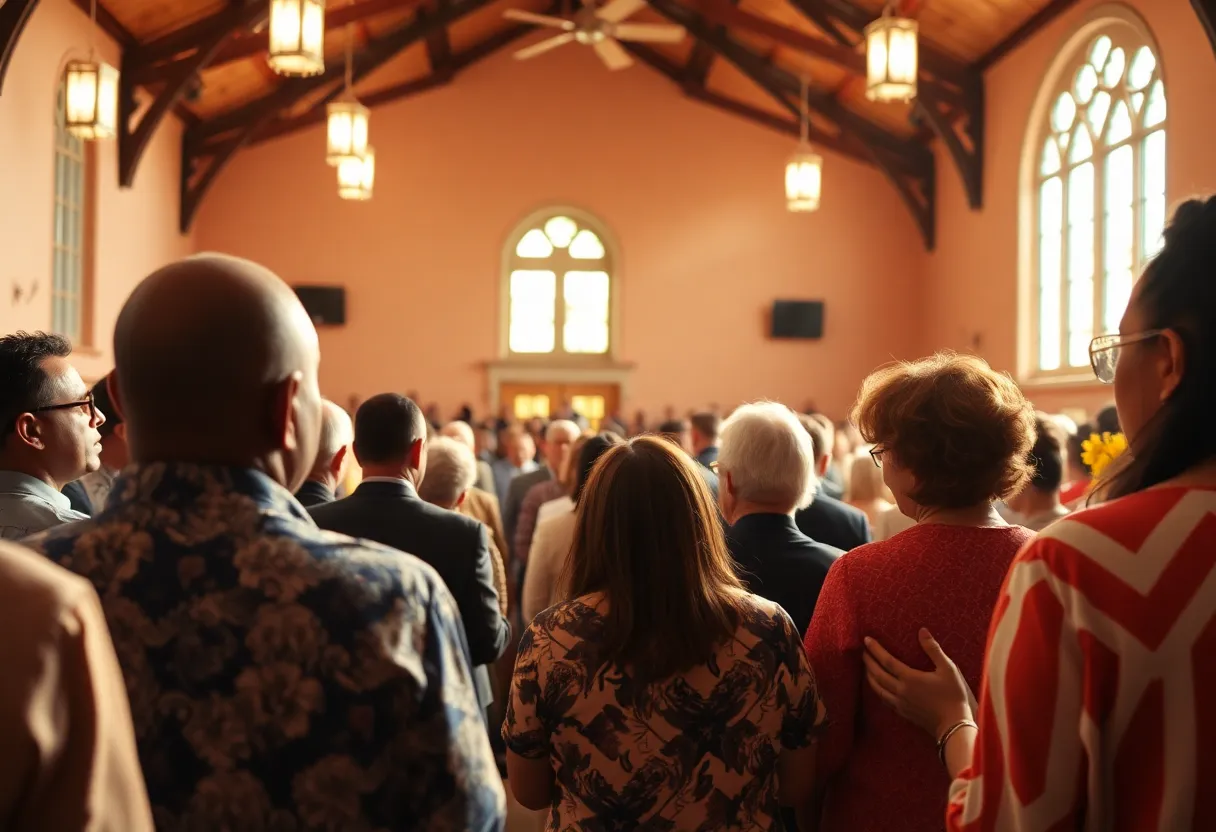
(216, 362)
(337, 432)
(461, 432)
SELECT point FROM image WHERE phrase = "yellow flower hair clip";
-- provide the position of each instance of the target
(1100, 450)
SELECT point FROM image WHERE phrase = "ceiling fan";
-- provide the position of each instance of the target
(601, 28)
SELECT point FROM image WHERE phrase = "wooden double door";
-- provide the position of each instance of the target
(594, 402)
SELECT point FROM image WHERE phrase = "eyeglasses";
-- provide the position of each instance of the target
(876, 455)
(1104, 351)
(88, 402)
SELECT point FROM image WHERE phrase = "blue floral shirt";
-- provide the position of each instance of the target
(281, 678)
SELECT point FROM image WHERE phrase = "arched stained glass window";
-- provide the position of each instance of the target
(1099, 193)
(559, 289)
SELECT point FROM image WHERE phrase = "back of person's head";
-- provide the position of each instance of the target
(958, 427)
(1107, 420)
(337, 433)
(589, 452)
(672, 428)
(821, 440)
(216, 362)
(461, 431)
(865, 480)
(451, 470)
(103, 402)
(387, 428)
(1168, 414)
(708, 426)
(1076, 446)
(647, 536)
(766, 458)
(26, 383)
(1046, 456)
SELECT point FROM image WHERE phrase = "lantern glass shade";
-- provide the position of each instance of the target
(297, 37)
(347, 134)
(91, 99)
(803, 180)
(891, 59)
(357, 176)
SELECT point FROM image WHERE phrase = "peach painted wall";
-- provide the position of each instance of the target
(972, 278)
(135, 230)
(694, 198)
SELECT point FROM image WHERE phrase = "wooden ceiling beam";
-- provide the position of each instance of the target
(397, 92)
(438, 44)
(846, 57)
(13, 16)
(790, 127)
(133, 141)
(251, 119)
(1024, 32)
(153, 56)
(108, 23)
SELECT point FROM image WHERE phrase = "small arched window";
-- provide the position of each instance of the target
(559, 287)
(1099, 191)
(69, 266)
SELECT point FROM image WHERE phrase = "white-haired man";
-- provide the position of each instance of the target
(478, 503)
(766, 472)
(337, 433)
(451, 470)
(462, 432)
(555, 448)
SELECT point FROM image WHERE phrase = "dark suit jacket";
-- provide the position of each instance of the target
(516, 491)
(780, 563)
(835, 523)
(79, 497)
(313, 493)
(708, 456)
(456, 546)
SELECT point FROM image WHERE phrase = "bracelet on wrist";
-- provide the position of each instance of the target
(950, 732)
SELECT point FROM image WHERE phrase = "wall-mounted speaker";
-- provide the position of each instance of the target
(326, 305)
(801, 319)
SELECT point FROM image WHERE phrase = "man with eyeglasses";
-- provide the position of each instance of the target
(49, 435)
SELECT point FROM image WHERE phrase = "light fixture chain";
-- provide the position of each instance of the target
(350, 56)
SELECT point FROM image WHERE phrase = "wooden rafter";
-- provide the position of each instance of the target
(108, 23)
(909, 165)
(133, 141)
(438, 43)
(248, 121)
(963, 137)
(1024, 32)
(161, 57)
(13, 16)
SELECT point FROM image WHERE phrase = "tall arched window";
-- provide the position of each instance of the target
(69, 294)
(559, 287)
(1100, 192)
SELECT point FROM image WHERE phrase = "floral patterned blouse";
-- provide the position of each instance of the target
(281, 678)
(697, 751)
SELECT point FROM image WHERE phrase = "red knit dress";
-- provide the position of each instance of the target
(881, 773)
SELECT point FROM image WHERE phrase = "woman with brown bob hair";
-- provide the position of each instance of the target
(661, 694)
(951, 437)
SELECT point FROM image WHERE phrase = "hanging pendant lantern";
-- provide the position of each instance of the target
(90, 99)
(357, 176)
(297, 37)
(892, 56)
(804, 170)
(346, 119)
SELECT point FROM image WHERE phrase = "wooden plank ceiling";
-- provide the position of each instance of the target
(742, 56)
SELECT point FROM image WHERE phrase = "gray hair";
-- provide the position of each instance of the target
(451, 470)
(768, 455)
(336, 432)
(561, 426)
(460, 431)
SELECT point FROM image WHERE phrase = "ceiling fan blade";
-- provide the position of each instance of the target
(614, 11)
(649, 32)
(544, 46)
(539, 19)
(613, 54)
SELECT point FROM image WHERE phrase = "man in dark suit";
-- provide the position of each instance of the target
(705, 428)
(826, 519)
(332, 456)
(390, 445)
(766, 470)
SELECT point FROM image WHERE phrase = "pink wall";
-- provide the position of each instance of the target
(694, 198)
(135, 230)
(972, 278)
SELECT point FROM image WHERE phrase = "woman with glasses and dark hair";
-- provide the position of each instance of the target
(661, 695)
(951, 437)
(1096, 706)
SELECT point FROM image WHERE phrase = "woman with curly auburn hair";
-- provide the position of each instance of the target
(951, 437)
